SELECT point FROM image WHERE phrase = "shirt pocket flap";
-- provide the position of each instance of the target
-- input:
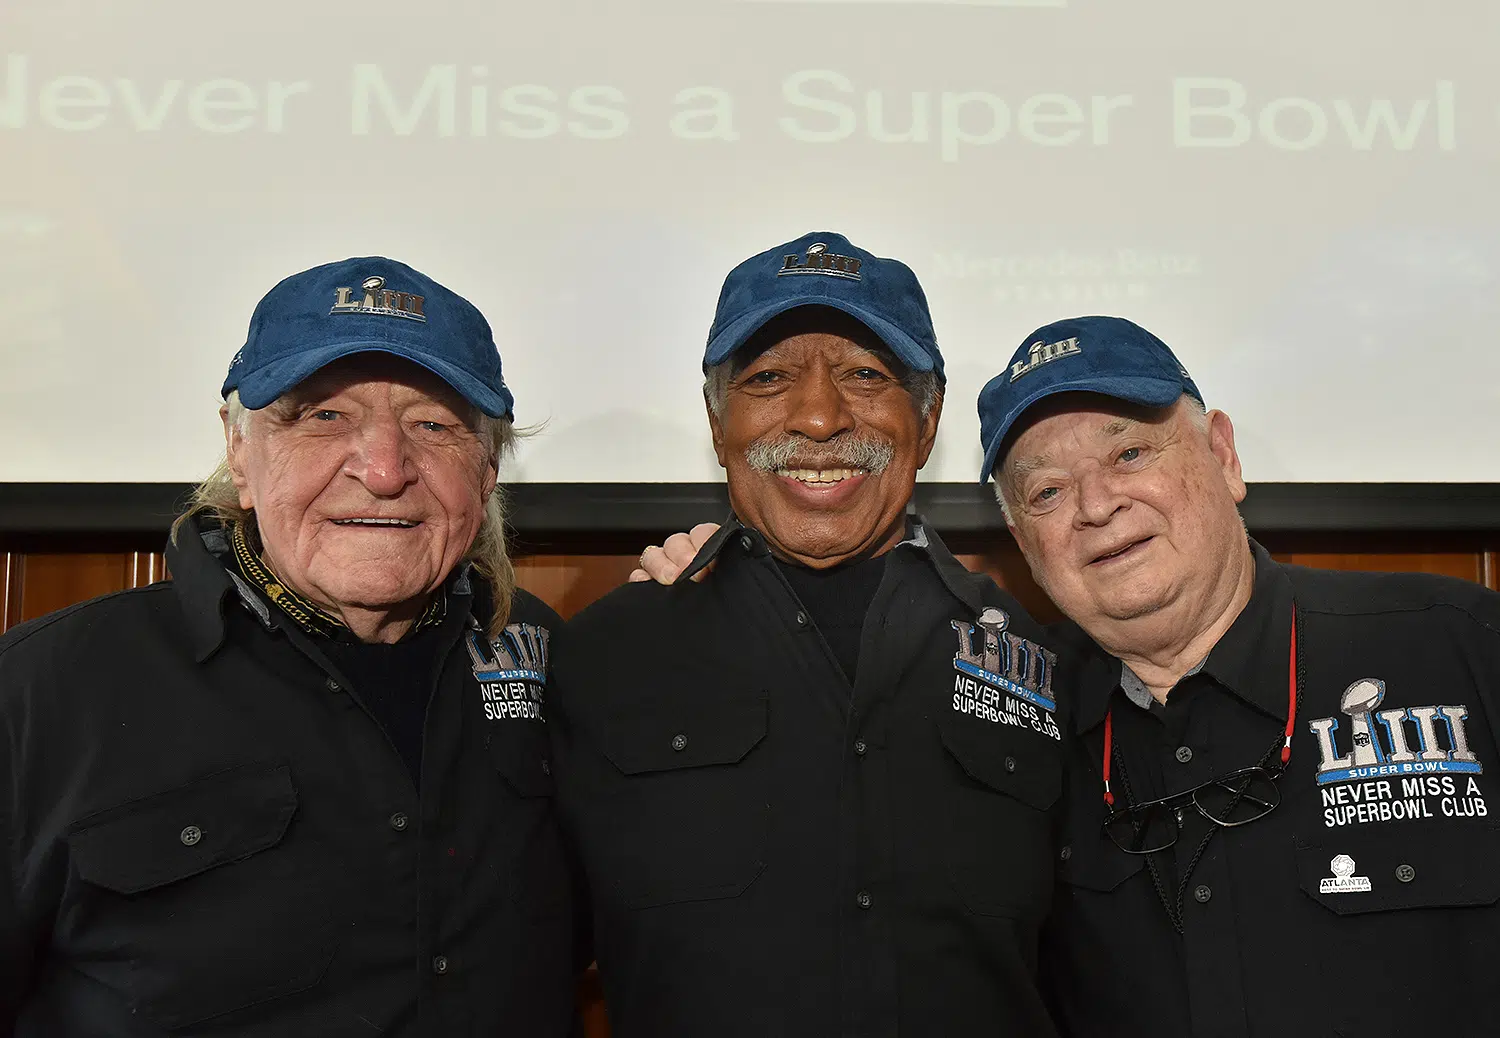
(1380, 869)
(520, 752)
(1030, 773)
(1100, 866)
(687, 735)
(170, 836)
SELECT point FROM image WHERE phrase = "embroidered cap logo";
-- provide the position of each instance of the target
(377, 299)
(1044, 353)
(820, 261)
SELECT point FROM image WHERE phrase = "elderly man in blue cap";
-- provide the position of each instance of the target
(305, 788)
(815, 794)
(1281, 813)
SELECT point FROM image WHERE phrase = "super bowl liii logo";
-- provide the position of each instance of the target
(1402, 764)
(1005, 679)
(1041, 353)
(512, 672)
(820, 261)
(379, 300)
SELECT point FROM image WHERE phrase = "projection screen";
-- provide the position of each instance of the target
(1299, 197)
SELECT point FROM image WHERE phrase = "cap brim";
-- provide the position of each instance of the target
(739, 331)
(1148, 392)
(265, 384)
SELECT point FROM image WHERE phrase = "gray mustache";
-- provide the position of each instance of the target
(842, 452)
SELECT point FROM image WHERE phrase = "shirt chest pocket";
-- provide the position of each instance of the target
(192, 907)
(1000, 833)
(1384, 869)
(1385, 892)
(689, 819)
(527, 836)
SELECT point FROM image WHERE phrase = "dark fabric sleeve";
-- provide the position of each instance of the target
(17, 943)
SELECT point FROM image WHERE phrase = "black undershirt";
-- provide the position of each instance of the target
(394, 682)
(837, 599)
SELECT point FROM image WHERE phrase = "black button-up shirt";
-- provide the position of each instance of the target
(1365, 903)
(203, 830)
(772, 852)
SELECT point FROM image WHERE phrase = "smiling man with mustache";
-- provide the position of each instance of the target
(815, 794)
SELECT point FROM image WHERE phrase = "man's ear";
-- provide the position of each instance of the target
(1221, 443)
(234, 458)
(716, 427)
(930, 428)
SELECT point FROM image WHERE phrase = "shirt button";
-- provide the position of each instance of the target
(1010, 764)
(1405, 873)
(860, 747)
(747, 542)
(190, 836)
(440, 964)
(1065, 853)
(801, 619)
(399, 821)
(546, 767)
(679, 742)
(1203, 893)
(333, 686)
(863, 899)
(1184, 754)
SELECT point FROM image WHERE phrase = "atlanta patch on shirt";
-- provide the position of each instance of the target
(1405, 763)
(512, 672)
(1003, 678)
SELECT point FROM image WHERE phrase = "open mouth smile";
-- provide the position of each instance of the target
(821, 477)
(400, 524)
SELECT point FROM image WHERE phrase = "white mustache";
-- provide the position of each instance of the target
(865, 452)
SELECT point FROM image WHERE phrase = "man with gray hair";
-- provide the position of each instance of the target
(305, 788)
(1281, 810)
(815, 794)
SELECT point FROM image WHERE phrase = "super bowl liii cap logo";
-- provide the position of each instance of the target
(1381, 741)
(379, 300)
(820, 261)
(1005, 679)
(1044, 353)
(512, 672)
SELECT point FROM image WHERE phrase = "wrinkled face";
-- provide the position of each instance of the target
(821, 443)
(1124, 511)
(368, 483)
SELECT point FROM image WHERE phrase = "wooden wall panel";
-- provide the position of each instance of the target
(569, 582)
(10, 590)
(36, 583)
(1468, 565)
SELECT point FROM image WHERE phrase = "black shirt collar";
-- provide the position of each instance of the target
(963, 585)
(1249, 660)
(202, 581)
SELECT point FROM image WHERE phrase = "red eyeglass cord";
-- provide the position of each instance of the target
(1291, 716)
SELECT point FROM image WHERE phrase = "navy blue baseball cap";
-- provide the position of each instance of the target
(361, 305)
(1106, 355)
(824, 269)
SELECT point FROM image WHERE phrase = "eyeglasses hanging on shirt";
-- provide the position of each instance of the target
(1231, 800)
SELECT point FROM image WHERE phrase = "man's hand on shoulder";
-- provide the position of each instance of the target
(663, 562)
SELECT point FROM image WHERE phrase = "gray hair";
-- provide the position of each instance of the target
(218, 498)
(1197, 413)
(922, 386)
